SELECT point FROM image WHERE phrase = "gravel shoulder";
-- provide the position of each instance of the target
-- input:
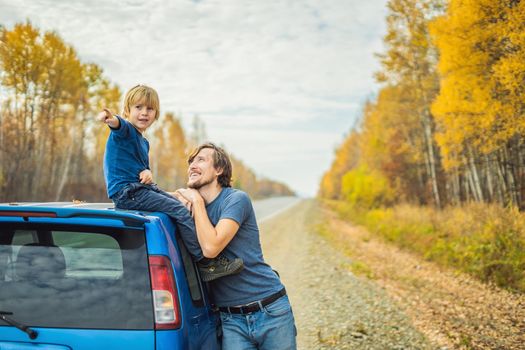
(334, 309)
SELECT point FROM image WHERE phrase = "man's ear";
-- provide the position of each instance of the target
(219, 171)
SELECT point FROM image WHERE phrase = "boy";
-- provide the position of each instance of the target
(127, 155)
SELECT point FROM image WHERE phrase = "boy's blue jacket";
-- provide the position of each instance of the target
(125, 157)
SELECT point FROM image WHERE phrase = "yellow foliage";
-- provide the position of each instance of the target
(51, 99)
(168, 153)
(392, 140)
(448, 125)
(366, 188)
(346, 158)
(482, 54)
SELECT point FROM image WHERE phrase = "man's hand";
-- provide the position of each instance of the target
(146, 177)
(190, 194)
(183, 200)
(108, 118)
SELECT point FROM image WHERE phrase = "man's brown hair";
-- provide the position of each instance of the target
(221, 161)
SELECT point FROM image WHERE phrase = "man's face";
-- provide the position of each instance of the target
(141, 116)
(201, 171)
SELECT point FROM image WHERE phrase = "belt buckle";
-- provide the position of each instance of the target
(249, 308)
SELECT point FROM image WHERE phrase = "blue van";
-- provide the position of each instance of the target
(87, 276)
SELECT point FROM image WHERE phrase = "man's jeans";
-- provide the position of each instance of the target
(137, 196)
(273, 328)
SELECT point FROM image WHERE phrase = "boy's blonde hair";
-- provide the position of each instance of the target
(144, 95)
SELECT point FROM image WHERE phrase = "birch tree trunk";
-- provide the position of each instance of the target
(490, 186)
(65, 173)
(429, 140)
(475, 176)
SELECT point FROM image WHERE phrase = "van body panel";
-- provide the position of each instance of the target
(77, 339)
(198, 329)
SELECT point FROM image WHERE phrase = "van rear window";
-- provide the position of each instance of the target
(75, 277)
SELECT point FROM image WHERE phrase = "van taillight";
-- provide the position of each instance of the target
(165, 299)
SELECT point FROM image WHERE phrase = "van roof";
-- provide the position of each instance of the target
(74, 204)
(73, 210)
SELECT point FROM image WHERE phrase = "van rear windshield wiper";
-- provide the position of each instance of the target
(31, 333)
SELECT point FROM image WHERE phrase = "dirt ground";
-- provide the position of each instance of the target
(351, 290)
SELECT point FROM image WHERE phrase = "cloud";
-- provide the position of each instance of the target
(245, 67)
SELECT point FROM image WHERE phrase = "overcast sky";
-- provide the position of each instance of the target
(277, 82)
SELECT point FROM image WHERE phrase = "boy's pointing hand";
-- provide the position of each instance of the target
(104, 115)
(108, 118)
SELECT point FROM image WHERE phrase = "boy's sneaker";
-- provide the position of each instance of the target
(211, 269)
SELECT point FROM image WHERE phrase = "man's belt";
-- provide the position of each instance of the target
(254, 306)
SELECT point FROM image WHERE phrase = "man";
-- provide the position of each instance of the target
(254, 308)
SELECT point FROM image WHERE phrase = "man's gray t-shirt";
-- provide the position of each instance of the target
(257, 280)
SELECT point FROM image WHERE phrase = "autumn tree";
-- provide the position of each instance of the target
(409, 65)
(247, 180)
(168, 153)
(454, 134)
(269, 188)
(392, 145)
(198, 132)
(396, 137)
(480, 105)
(50, 146)
(347, 156)
(50, 99)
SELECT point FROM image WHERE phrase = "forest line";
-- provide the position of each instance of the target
(440, 150)
(51, 149)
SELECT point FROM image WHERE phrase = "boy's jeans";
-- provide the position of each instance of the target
(273, 328)
(137, 196)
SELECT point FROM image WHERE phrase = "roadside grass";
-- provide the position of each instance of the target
(357, 267)
(486, 241)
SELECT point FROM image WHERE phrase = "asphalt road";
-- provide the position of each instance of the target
(269, 207)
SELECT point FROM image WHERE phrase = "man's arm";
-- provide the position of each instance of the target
(212, 239)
